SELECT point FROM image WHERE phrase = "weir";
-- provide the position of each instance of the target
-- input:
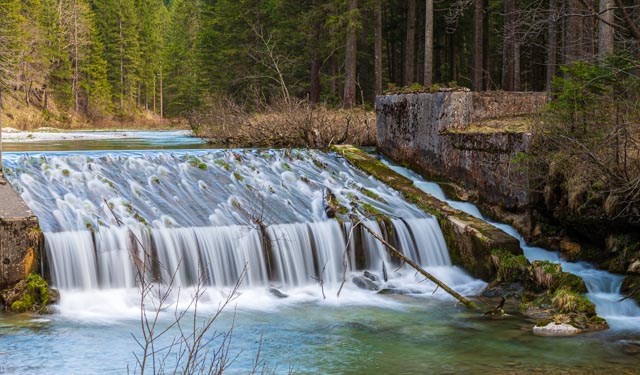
(209, 213)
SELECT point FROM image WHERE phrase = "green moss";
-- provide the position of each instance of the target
(223, 164)
(368, 209)
(34, 295)
(202, 166)
(569, 301)
(372, 195)
(545, 275)
(195, 162)
(238, 177)
(510, 267)
(66, 172)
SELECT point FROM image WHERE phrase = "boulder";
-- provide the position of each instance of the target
(555, 329)
(277, 293)
(363, 282)
(372, 276)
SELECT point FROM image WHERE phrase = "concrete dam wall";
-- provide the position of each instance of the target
(472, 139)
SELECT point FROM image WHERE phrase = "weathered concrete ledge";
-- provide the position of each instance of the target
(20, 238)
(470, 240)
(452, 135)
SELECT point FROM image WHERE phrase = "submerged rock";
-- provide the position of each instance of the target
(399, 291)
(277, 293)
(555, 329)
(364, 282)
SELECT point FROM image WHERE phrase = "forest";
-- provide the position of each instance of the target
(101, 59)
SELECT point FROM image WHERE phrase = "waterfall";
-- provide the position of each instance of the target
(188, 216)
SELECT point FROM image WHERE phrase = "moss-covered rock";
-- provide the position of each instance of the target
(30, 295)
(545, 275)
(510, 268)
(569, 301)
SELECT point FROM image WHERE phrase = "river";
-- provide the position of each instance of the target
(159, 181)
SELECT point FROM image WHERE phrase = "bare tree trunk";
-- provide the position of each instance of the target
(516, 66)
(636, 19)
(314, 94)
(476, 81)
(76, 72)
(410, 45)
(551, 47)
(453, 72)
(154, 93)
(377, 55)
(605, 30)
(517, 74)
(428, 44)
(349, 98)
(161, 95)
(398, 254)
(508, 42)
(486, 72)
(121, 68)
(574, 32)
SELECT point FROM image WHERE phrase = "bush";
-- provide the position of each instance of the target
(285, 123)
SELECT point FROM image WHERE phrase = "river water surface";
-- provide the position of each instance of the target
(312, 331)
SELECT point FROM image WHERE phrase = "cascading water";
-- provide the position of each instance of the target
(603, 287)
(210, 214)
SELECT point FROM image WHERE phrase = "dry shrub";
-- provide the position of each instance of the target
(285, 123)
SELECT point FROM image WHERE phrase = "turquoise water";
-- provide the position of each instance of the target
(358, 333)
(418, 336)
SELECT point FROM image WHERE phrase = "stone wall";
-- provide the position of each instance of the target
(433, 133)
(20, 238)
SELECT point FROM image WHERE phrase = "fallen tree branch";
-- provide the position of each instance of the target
(424, 273)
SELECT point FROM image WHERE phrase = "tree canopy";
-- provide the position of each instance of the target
(100, 58)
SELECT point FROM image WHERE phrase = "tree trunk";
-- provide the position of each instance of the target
(161, 95)
(121, 68)
(605, 30)
(486, 76)
(314, 94)
(76, 71)
(377, 55)
(428, 44)
(410, 45)
(507, 48)
(636, 19)
(476, 81)
(349, 98)
(574, 32)
(453, 72)
(551, 47)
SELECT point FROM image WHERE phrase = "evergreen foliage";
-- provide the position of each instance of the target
(100, 58)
